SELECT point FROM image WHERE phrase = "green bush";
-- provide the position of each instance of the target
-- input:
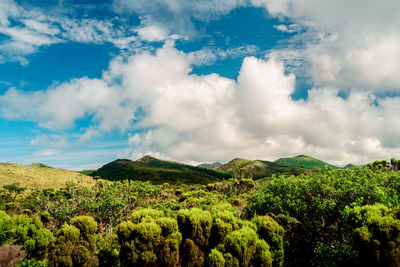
(26, 232)
(75, 244)
(215, 259)
(270, 231)
(311, 209)
(108, 250)
(149, 239)
(376, 234)
(195, 224)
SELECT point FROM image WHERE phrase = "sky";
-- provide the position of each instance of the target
(84, 82)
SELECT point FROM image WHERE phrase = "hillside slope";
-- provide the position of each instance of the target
(157, 171)
(303, 161)
(39, 176)
(259, 168)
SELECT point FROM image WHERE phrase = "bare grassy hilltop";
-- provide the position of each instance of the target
(40, 176)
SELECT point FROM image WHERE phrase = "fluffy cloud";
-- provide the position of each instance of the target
(355, 44)
(174, 114)
(152, 33)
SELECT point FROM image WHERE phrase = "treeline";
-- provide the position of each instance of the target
(347, 217)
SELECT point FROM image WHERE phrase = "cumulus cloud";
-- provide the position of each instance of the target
(169, 112)
(355, 44)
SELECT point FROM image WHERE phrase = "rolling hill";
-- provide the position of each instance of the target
(259, 168)
(39, 176)
(158, 171)
(303, 161)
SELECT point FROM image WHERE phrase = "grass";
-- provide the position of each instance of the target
(40, 176)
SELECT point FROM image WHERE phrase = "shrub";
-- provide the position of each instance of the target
(376, 234)
(27, 232)
(272, 233)
(244, 245)
(149, 239)
(75, 244)
(215, 259)
(192, 255)
(108, 250)
(195, 224)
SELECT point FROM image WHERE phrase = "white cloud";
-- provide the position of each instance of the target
(182, 116)
(152, 33)
(355, 44)
(287, 28)
(28, 28)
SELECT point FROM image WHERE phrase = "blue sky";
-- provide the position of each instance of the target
(85, 82)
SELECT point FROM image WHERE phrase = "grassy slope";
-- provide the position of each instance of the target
(303, 161)
(39, 176)
(157, 171)
(258, 168)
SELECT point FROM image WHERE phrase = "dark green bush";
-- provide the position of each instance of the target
(195, 224)
(376, 234)
(75, 244)
(215, 259)
(270, 231)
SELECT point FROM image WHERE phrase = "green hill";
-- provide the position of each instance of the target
(259, 168)
(39, 176)
(303, 161)
(157, 171)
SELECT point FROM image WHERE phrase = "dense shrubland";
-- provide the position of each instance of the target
(325, 218)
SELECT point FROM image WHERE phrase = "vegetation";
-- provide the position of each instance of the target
(39, 176)
(330, 217)
(305, 162)
(157, 171)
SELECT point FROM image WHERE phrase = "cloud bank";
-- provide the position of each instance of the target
(169, 112)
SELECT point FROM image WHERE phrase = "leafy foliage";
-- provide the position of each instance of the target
(331, 217)
(75, 244)
(149, 239)
(27, 232)
(312, 208)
